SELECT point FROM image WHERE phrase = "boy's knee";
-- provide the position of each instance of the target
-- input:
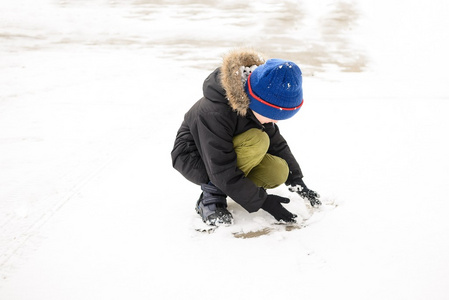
(260, 138)
(253, 138)
(270, 173)
(281, 171)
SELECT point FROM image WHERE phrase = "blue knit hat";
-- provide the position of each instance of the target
(275, 89)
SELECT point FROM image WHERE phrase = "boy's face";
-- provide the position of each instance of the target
(263, 119)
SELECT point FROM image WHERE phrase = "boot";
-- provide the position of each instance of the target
(211, 206)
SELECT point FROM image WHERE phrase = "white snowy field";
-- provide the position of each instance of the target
(93, 92)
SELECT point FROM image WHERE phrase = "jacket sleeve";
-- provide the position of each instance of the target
(279, 147)
(216, 147)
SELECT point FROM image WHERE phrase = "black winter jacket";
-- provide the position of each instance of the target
(204, 150)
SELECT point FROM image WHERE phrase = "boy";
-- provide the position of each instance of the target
(229, 142)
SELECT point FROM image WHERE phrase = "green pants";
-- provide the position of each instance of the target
(265, 170)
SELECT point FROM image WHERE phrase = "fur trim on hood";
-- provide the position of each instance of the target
(231, 77)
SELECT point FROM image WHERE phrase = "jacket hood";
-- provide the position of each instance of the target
(231, 77)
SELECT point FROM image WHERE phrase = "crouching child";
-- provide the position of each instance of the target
(229, 141)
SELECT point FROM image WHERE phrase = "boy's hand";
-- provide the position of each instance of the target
(273, 206)
(298, 186)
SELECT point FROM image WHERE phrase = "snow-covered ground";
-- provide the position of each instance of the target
(93, 92)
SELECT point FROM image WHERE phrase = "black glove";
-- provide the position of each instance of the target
(273, 206)
(298, 186)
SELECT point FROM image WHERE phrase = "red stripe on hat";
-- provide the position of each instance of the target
(267, 103)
